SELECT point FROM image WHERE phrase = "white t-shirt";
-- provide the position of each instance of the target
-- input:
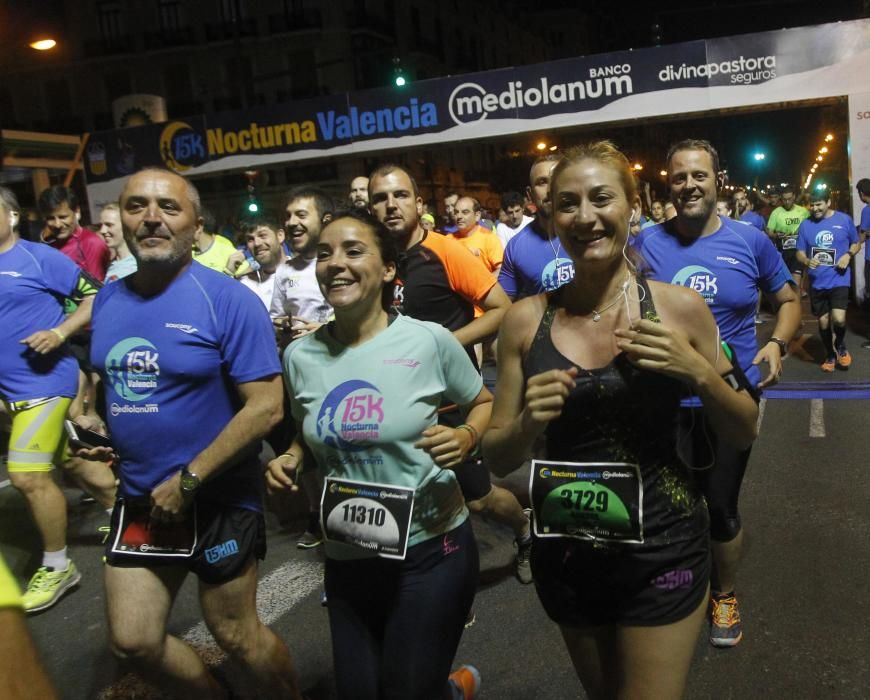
(296, 292)
(263, 285)
(505, 232)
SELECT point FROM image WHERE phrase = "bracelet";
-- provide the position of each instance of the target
(291, 454)
(475, 437)
(58, 334)
(783, 346)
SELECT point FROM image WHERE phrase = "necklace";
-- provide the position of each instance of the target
(555, 249)
(596, 314)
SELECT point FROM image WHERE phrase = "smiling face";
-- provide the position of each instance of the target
(350, 269)
(61, 222)
(303, 226)
(693, 185)
(158, 219)
(591, 211)
(819, 208)
(395, 204)
(264, 243)
(110, 228)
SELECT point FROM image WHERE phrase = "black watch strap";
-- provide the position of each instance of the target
(783, 346)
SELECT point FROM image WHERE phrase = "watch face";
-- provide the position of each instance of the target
(189, 482)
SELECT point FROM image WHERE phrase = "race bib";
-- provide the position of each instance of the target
(140, 535)
(372, 517)
(587, 501)
(825, 256)
(789, 243)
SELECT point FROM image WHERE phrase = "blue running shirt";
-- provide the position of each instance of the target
(170, 364)
(34, 281)
(828, 239)
(726, 268)
(531, 265)
(363, 408)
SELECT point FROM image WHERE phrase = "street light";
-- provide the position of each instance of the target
(43, 44)
(829, 137)
(823, 149)
(541, 146)
(638, 166)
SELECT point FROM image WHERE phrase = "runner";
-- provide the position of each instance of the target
(627, 584)
(827, 243)
(38, 380)
(402, 563)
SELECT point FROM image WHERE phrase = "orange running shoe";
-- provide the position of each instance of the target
(829, 364)
(467, 679)
(726, 630)
(844, 359)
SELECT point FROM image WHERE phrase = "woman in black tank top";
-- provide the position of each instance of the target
(621, 554)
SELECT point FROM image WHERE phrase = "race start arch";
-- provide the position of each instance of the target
(789, 65)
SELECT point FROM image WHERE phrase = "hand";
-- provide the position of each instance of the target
(447, 446)
(661, 349)
(812, 263)
(770, 354)
(282, 473)
(235, 261)
(168, 501)
(91, 422)
(94, 454)
(300, 327)
(43, 342)
(843, 262)
(545, 398)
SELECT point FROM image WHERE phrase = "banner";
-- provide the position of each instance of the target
(787, 65)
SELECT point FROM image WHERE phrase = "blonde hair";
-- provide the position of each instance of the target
(605, 152)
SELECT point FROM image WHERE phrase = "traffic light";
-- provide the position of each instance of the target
(253, 205)
(399, 79)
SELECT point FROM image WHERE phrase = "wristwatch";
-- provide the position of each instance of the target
(783, 346)
(189, 482)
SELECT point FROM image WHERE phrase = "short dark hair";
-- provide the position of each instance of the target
(820, 195)
(512, 199)
(787, 188)
(695, 145)
(863, 186)
(452, 193)
(323, 202)
(386, 169)
(386, 242)
(56, 196)
(251, 223)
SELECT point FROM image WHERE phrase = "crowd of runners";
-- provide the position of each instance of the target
(388, 360)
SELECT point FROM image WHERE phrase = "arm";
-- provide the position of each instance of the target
(846, 259)
(262, 409)
(694, 357)
(788, 319)
(522, 409)
(48, 341)
(283, 472)
(495, 304)
(449, 447)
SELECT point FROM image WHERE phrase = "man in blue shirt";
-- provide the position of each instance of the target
(193, 383)
(725, 262)
(534, 261)
(827, 242)
(863, 188)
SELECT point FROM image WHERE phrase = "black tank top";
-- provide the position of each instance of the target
(621, 413)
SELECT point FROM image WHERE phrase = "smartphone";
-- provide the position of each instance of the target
(82, 437)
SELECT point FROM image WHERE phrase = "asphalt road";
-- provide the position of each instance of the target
(803, 584)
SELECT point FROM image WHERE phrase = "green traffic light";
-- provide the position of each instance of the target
(400, 80)
(253, 207)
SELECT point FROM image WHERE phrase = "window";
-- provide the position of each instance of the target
(170, 16)
(111, 21)
(231, 11)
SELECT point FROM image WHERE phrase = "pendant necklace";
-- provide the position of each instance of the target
(596, 315)
(555, 249)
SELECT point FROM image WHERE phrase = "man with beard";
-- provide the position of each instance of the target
(450, 213)
(193, 381)
(264, 240)
(726, 262)
(827, 243)
(782, 227)
(359, 193)
(298, 306)
(442, 282)
(533, 259)
(512, 205)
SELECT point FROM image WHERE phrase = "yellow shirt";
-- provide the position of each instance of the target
(216, 255)
(10, 597)
(484, 244)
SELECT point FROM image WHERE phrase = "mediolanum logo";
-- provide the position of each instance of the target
(470, 102)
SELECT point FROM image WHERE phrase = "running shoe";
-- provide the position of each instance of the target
(312, 537)
(470, 619)
(866, 345)
(726, 630)
(829, 364)
(466, 680)
(523, 564)
(47, 586)
(844, 359)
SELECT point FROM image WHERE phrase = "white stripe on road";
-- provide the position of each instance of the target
(817, 418)
(761, 406)
(277, 593)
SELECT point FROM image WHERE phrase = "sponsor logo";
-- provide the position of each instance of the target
(447, 546)
(221, 551)
(741, 70)
(403, 362)
(470, 102)
(351, 416)
(679, 578)
(700, 279)
(118, 409)
(724, 258)
(133, 369)
(825, 239)
(557, 273)
(616, 475)
(181, 147)
(380, 121)
(183, 327)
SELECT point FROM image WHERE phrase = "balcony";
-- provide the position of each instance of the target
(170, 37)
(308, 19)
(225, 31)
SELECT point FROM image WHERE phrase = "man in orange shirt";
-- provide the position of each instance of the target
(479, 240)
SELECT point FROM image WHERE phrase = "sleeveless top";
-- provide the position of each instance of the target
(621, 413)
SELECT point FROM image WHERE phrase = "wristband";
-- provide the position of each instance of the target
(475, 438)
(783, 346)
(58, 334)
